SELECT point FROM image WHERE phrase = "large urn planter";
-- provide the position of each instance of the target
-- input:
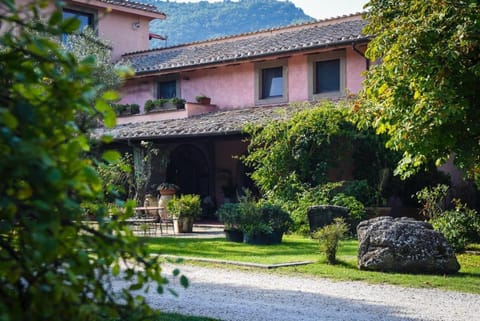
(183, 225)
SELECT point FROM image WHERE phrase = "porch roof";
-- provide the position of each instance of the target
(250, 46)
(218, 123)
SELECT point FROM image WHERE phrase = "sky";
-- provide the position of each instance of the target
(320, 9)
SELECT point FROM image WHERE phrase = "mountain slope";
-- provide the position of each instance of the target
(188, 22)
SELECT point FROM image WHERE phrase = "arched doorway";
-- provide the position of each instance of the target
(188, 168)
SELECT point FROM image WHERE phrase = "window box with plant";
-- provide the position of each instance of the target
(126, 109)
(184, 209)
(162, 104)
(203, 99)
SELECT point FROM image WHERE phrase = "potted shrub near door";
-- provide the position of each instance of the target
(230, 215)
(184, 209)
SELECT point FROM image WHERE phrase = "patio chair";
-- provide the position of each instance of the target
(165, 219)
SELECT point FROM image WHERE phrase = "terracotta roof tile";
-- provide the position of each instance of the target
(133, 5)
(256, 45)
(228, 122)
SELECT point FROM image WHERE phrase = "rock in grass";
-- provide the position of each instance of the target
(403, 245)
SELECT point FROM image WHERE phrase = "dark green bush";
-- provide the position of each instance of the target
(230, 214)
(460, 226)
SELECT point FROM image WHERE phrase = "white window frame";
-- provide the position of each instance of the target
(259, 67)
(312, 61)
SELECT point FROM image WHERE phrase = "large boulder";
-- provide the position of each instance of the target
(321, 215)
(403, 245)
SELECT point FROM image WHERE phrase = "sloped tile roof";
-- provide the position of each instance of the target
(133, 5)
(220, 123)
(260, 44)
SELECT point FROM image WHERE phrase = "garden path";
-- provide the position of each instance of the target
(237, 295)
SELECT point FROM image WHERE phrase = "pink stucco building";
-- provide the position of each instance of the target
(248, 78)
(124, 24)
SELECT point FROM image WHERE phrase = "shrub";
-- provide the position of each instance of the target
(329, 237)
(187, 205)
(149, 105)
(276, 217)
(460, 226)
(356, 210)
(326, 194)
(432, 200)
(230, 214)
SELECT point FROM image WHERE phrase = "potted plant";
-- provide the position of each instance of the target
(167, 188)
(179, 103)
(230, 215)
(203, 99)
(277, 219)
(184, 209)
(262, 223)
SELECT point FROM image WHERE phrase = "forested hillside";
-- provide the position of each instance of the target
(187, 22)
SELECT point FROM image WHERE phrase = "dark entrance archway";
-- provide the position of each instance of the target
(188, 168)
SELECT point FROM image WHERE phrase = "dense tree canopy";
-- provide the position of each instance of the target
(54, 265)
(425, 93)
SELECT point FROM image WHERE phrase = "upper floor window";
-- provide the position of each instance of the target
(86, 18)
(271, 82)
(167, 89)
(327, 75)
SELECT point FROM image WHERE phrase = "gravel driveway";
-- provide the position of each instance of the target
(249, 295)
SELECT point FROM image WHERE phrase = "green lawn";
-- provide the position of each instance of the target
(296, 248)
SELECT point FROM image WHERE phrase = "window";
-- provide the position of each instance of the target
(271, 82)
(87, 19)
(167, 89)
(327, 75)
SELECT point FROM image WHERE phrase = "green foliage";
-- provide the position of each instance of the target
(224, 18)
(252, 221)
(117, 177)
(276, 217)
(331, 194)
(229, 214)
(255, 217)
(126, 109)
(54, 265)
(187, 205)
(86, 45)
(460, 226)
(149, 105)
(159, 103)
(433, 200)
(329, 237)
(289, 157)
(424, 95)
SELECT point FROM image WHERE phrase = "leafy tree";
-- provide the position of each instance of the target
(425, 92)
(53, 264)
(291, 156)
(84, 45)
